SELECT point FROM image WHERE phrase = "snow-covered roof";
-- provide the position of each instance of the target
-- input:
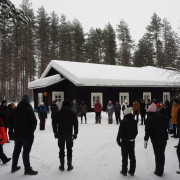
(88, 74)
(44, 82)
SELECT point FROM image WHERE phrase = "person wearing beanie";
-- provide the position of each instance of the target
(126, 140)
(117, 110)
(24, 122)
(109, 111)
(174, 117)
(42, 113)
(65, 128)
(156, 130)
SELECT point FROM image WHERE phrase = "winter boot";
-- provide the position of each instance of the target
(30, 172)
(69, 163)
(123, 173)
(6, 160)
(178, 171)
(61, 167)
(131, 174)
(13, 170)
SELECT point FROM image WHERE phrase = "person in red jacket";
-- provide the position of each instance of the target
(97, 110)
(3, 139)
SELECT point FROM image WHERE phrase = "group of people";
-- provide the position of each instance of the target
(23, 121)
(157, 126)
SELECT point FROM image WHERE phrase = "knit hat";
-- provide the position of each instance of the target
(3, 102)
(152, 108)
(158, 105)
(26, 98)
(128, 111)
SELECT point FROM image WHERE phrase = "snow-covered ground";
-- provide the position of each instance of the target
(96, 155)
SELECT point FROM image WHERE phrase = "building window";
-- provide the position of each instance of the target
(166, 96)
(123, 97)
(146, 96)
(40, 98)
(96, 96)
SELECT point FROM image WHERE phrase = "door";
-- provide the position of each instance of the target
(40, 98)
(58, 97)
(123, 97)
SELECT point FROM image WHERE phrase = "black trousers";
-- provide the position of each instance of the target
(159, 152)
(137, 117)
(98, 115)
(3, 157)
(83, 114)
(11, 133)
(143, 118)
(26, 144)
(110, 118)
(118, 118)
(69, 145)
(127, 150)
(178, 152)
(175, 129)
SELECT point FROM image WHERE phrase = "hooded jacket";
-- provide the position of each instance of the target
(24, 121)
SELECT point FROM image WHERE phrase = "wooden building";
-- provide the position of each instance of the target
(85, 81)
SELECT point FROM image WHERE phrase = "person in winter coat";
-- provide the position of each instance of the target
(11, 108)
(4, 111)
(136, 110)
(97, 110)
(142, 111)
(24, 122)
(117, 110)
(174, 114)
(54, 110)
(125, 106)
(42, 113)
(83, 110)
(3, 139)
(126, 139)
(110, 110)
(75, 107)
(65, 121)
(169, 125)
(156, 129)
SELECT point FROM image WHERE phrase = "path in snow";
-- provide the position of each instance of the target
(96, 155)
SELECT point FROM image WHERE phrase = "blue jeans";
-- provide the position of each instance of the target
(26, 144)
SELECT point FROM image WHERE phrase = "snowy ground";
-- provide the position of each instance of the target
(96, 155)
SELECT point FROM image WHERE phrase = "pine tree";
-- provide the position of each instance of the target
(43, 35)
(143, 56)
(109, 45)
(126, 43)
(155, 32)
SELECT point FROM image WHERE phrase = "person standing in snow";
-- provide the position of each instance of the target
(24, 122)
(136, 109)
(54, 110)
(174, 114)
(75, 107)
(142, 111)
(3, 139)
(42, 113)
(125, 105)
(83, 110)
(126, 139)
(4, 111)
(97, 110)
(117, 110)
(11, 129)
(169, 125)
(156, 129)
(65, 121)
(109, 111)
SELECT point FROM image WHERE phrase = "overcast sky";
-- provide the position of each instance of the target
(97, 13)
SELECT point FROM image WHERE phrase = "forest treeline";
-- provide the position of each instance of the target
(27, 48)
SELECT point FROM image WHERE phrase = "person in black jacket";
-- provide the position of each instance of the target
(142, 111)
(11, 108)
(24, 123)
(54, 110)
(64, 123)
(156, 129)
(4, 111)
(126, 139)
(117, 110)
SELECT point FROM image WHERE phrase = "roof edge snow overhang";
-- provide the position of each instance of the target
(45, 82)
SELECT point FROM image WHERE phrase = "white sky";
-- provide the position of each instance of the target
(97, 13)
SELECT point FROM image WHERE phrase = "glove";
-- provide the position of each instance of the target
(145, 144)
(55, 135)
(74, 136)
(119, 142)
